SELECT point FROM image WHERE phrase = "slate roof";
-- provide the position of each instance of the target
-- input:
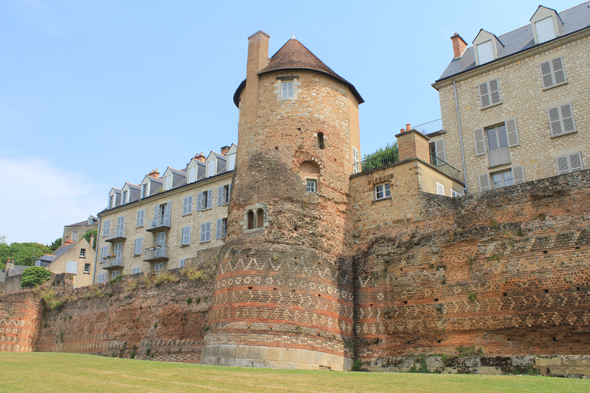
(62, 250)
(48, 258)
(574, 19)
(85, 222)
(295, 56)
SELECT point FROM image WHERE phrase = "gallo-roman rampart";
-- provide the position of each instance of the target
(333, 277)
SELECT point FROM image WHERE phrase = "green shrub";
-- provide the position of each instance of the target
(356, 365)
(189, 301)
(472, 296)
(164, 277)
(195, 274)
(117, 279)
(34, 276)
(468, 351)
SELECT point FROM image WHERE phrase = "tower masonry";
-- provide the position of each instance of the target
(283, 295)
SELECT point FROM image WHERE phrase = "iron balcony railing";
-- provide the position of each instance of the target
(445, 167)
(159, 221)
(429, 128)
(377, 161)
(156, 254)
(116, 233)
(111, 263)
(499, 156)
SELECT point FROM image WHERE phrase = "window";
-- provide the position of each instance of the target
(115, 274)
(251, 222)
(545, 30)
(158, 267)
(223, 194)
(74, 236)
(440, 189)
(220, 228)
(437, 152)
(561, 120)
(192, 174)
(204, 200)
(104, 252)
(125, 197)
(185, 236)
(485, 52)
(497, 137)
(138, 246)
(489, 93)
(231, 162)
(181, 263)
(211, 168)
(101, 278)
(260, 218)
(356, 162)
(205, 232)
(38, 263)
(118, 251)
(382, 191)
(287, 89)
(82, 253)
(569, 163)
(187, 205)
(168, 182)
(120, 226)
(552, 72)
(455, 194)
(106, 228)
(71, 267)
(321, 143)
(111, 201)
(514, 175)
(312, 185)
(136, 270)
(86, 268)
(140, 218)
(144, 190)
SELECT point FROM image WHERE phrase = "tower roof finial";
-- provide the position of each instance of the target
(293, 35)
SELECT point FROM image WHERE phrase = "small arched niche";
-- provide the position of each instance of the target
(309, 167)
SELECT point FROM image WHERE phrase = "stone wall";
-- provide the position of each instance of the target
(505, 271)
(20, 319)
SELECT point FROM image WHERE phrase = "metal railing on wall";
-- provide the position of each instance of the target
(429, 128)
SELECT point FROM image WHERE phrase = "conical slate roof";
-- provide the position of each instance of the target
(295, 56)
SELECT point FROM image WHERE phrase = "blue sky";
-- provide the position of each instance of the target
(97, 93)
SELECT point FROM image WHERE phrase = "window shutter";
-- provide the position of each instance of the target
(199, 201)
(220, 195)
(103, 251)
(209, 230)
(484, 95)
(190, 204)
(440, 149)
(71, 267)
(567, 118)
(484, 182)
(546, 75)
(203, 231)
(138, 219)
(168, 210)
(138, 245)
(218, 224)
(142, 216)
(184, 203)
(576, 162)
(562, 165)
(480, 144)
(558, 71)
(209, 199)
(440, 189)
(512, 132)
(518, 174)
(228, 193)
(554, 121)
(495, 91)
(161, 239)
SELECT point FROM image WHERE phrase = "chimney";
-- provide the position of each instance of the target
(91, 241)
(257, 52)
(412, 144)
(154, 173)
(9, 265)
(68, 241)
(459, 45)
(224, 150)
(200, 157)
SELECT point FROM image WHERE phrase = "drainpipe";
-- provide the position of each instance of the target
(96, 250)
(460, 137)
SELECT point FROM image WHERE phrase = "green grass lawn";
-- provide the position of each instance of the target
(62, 372)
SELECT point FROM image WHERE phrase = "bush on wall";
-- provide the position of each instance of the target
(34, 276)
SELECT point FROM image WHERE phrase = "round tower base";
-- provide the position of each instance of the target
(273, 357)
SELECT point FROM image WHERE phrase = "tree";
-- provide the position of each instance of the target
(34, 276)
(55, 245)
(381, 157)
(24, 254)
(2, 239)
(90, 233)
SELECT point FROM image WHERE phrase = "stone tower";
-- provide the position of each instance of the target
(283, 295)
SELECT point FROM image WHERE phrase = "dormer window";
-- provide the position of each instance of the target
(125, 197)
(111, 201)
(485, 52)
(168, 182)
(144, 190)
(231, 162)
(211, 168)
(545, 30)
(192, 174)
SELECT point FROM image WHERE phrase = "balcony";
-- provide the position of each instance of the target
(158, 223)
(115, 235)
(156, 255)
(377, 160)
(112, 263)
(499, 157)
(444, 167)
(429, 128)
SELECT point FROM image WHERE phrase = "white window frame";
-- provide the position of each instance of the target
(547, 28)
(558, 122)
(86, 271)
(502, 173)
(440, 189)
(211, 167)
(455, 194)
(145, 190)
(287, 89)
(356, 160)
(206, 232)
(83, 253)
(159, 267)
(485, 50)
(566, 161)
(382, 191)
(192, 174)
(125, 197)
(231, 161)
(167, 182)
(314, 185)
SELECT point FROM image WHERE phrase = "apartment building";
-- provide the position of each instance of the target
(158, 223)
(515, 106)
(74, 232)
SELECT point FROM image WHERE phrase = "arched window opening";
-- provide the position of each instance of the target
(260, 214)
(321, 144)
(251, 220)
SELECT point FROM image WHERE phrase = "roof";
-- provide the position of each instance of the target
(295, 56)
(62, 250)
(48, 257)
(574, 19)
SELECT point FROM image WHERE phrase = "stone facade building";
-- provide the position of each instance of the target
(515, 106)
(76, 258)
(166, 219)
(74, 232)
